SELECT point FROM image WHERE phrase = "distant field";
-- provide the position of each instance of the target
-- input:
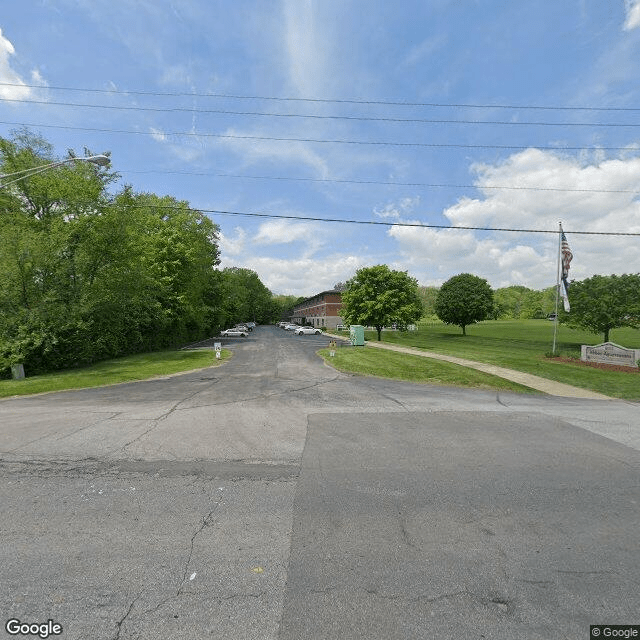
(522, 345)
(130, 368)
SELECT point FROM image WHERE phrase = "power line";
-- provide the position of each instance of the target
(382, 182)
(400, 103)
(406, 224)
(193, 110)
(431, 145)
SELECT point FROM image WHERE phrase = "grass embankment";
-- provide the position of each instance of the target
(401, 366)
(522, 345)
(127, 369)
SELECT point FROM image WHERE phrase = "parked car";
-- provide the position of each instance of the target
(291, 327)
(234, 333)
(304, 331)
(243, 327)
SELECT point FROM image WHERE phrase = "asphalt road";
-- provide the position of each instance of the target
(274, 497)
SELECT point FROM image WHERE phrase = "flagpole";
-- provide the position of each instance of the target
(555, 320)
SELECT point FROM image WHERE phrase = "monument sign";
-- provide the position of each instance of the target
(610, 353)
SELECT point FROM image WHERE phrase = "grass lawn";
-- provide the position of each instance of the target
(400, 366)
(127, 369)
(522, 345)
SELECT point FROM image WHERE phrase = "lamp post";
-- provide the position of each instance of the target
(101, 160)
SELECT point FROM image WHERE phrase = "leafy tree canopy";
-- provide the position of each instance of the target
(464, 300)
(86, 274)
(602, 303)
(378, 296)
(283, 306)
(247, 298)
(428, 297)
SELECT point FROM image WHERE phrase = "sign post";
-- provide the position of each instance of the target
(218, 347)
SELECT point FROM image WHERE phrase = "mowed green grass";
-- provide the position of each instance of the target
(522, 345)
(400, 366)
(127, 369)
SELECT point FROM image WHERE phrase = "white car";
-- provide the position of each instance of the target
(305, 331)
(234, 333)
(291, 327)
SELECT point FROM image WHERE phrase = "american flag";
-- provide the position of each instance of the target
(566, 257)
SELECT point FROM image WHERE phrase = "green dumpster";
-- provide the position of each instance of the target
(356, 335)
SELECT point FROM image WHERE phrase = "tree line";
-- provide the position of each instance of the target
(86, 274)
(515, 302)
(378, 296)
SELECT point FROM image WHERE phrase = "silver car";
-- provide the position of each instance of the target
(305, 331)
(234, 333)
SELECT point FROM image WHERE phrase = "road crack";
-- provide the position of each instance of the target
(157, 421)
(206, 521)
(120, 622)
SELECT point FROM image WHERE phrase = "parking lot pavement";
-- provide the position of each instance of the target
(461, 525)
(146, 551)
(166, 508)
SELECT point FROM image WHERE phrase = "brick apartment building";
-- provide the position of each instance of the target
(321, 310)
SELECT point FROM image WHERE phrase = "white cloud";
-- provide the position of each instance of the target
(158, 135)
(176, 75)
(293, 153)
(303, 276)
(285, 232)
(232, 246)
(9, 76)
(306, 47)
(556, 189)
(527, 258)
(394, 211)
(425, 49)
(186, 148)
(632, 13)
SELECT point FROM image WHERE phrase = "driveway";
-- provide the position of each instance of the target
(276, 497)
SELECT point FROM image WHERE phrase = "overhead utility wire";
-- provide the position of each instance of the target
(223, 212)
(321, 117)
(399, 103)
(380, 182)
(400, 224)
(433, 145)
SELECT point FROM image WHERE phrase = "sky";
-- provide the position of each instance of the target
(409, 119)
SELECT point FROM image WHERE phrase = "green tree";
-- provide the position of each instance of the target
(509, 301)
(602, 303)
(179, 252)
(246, 298)
(428, 297)
(85, 275)
(463, 300)
(538, 304)
(378, 296)
(283, 306)
(42, 217)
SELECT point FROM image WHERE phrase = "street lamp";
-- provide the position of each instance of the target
(101, 160)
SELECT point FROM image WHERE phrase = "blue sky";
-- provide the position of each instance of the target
(418, 112)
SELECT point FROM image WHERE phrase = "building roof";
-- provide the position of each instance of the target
(322, 293)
